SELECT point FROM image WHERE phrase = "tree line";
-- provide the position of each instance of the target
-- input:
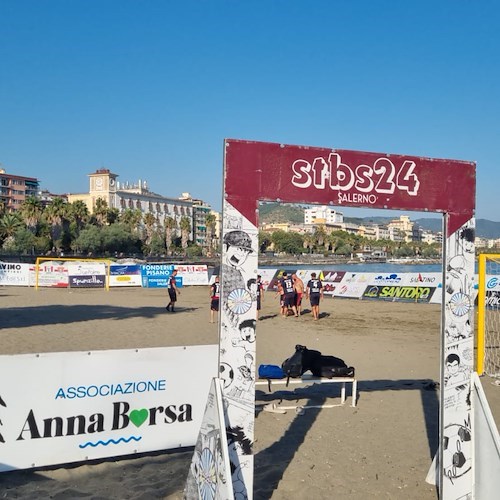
(66, 228)
(341, 243)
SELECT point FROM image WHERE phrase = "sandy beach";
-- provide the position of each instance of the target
(382, 448)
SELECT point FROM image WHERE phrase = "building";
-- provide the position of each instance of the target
(323, 215)
(103, 184)
(14, 189)
(411, 230)
(46, 197)
(200, 212)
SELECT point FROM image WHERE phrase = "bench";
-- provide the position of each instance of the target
(310, 379)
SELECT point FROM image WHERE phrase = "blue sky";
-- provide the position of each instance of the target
(149, 89)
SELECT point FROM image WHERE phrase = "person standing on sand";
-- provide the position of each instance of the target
(260, 295)
(314, 292)
(280, 292)
(214, 298)
(298, 285)
(172, 291)
(289, 294)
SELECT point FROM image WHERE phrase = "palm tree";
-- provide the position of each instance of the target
(149, 224)
(101, 211)
(170, 225)
(78, 213)
(185, 225)
(320, 236)
(9, 224)
(131, 218)
(55, 213)
(31, 211)
(308, 242)
(210, 223)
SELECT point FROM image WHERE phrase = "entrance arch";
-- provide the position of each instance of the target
(259, 171)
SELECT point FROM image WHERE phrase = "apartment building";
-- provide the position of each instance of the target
(14, 189)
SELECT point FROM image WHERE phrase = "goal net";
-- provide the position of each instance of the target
(488, 324)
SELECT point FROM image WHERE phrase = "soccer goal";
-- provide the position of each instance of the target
(95, 272)
(488, 320)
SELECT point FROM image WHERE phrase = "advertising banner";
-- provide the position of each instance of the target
(402, 293)
(353, 285)
(157, 275)
(50, 274)
(193, 275)
(267, 275)
(87, 275)
(125, 275)
(14, 274)
(394, 279)
(76, 406)
(331, 281)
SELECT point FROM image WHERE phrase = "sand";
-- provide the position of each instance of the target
(381, 449)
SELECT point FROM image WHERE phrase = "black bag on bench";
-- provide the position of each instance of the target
(330, 366)
(300, 362)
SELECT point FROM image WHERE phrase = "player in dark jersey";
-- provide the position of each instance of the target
(289, 294)
(260, 295)
(172, 291)
(214, 298)
(314, 292)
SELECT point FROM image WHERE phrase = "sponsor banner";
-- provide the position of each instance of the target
(76, 406)
(492, 283)
(395, 279)
(437, 296)
(267, 275)
(193, 275)
(331, 281)
(353, 285)
(424, 279)
(86, 268)
(125, 275)
(14, 274)
(157, 275)
(492, 299)
(50, 274)
(87, 275)
(86, 281)
(401, 293)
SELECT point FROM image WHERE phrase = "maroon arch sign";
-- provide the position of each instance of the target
(265, 171)
(260, 171)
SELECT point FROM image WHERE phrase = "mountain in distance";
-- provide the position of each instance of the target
(281, 212)
(484, 228)
(274, 213)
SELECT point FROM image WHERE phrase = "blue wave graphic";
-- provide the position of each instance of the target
(109, 441)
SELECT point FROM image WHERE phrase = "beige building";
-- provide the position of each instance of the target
(104, 184)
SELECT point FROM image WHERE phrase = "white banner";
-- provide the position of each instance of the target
(76, 406)
(14, 274)
(193, 275)
(50, 274)
(125, 275)
(354, 284)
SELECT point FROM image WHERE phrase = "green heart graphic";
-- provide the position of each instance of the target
(138, 417)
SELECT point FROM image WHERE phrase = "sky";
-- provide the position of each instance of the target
(150, 89)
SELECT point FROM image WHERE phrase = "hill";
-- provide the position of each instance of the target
(280, 212)
(272, 213)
